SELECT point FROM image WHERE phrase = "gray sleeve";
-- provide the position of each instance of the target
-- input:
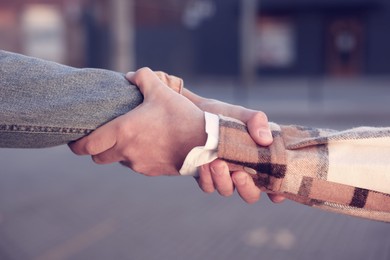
(45, 104)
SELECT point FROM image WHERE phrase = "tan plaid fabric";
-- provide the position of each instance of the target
(322, 168)
(317, 167)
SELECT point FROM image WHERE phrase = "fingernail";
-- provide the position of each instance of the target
(265, 134)
(129, 74)
(240, 180)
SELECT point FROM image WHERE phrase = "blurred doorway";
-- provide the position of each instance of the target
(344, 49)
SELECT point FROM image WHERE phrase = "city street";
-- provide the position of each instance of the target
(56, 205)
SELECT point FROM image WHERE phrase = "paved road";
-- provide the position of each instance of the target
(54, 205)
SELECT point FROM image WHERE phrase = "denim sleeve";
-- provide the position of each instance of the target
(45, 104)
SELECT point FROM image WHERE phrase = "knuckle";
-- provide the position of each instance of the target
(206, 187)
(219, 169)
(90, 148)
(204, 172)
(75, 148)
(144, 69)
(127, 154)
(142, 73)
(126, 164)
(97, 160)
(261, 116)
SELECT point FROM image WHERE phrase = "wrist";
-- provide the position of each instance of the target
(197, 135)
(191, 135)
(205, 153)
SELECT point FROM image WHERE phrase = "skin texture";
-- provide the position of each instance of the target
(172, 124)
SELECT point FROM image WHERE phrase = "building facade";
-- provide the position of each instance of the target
(292, 37)
(334, 38)
(203, 37)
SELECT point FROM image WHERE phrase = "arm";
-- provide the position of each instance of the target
(154, 138)
(45, 104)
(345, 172)
(109, 144)
(216, 175)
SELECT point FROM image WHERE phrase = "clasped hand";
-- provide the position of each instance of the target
(154, 138)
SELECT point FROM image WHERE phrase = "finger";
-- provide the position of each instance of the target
(245, 186)
(97, 142)
(259, 129)
(111, 141)
(127, 164)
(205, 181)
(221, 178)
(129, 75)
(145, 79)
(111, 155)
(276, 198)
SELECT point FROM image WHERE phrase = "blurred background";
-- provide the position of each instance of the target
(205, 37)
(321, 63)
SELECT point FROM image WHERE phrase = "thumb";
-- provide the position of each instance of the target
(259, 129)
(145, 79)
(98, 141)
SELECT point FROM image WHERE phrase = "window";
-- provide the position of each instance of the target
(43, 32)
(275, 43)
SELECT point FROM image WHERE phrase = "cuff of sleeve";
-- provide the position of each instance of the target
(203, 154)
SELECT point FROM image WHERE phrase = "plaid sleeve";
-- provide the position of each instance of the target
(342, 171)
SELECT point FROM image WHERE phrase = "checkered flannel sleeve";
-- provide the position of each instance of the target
(342, 171)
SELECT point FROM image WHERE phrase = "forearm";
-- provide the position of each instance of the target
(316, 166)
(46, 104)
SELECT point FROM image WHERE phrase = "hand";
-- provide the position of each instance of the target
(216, 175)
(152, 139)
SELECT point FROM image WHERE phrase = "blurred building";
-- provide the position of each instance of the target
(74, 32)
(203, 37)
(291, 37)
(324, 37)
(43, 28)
